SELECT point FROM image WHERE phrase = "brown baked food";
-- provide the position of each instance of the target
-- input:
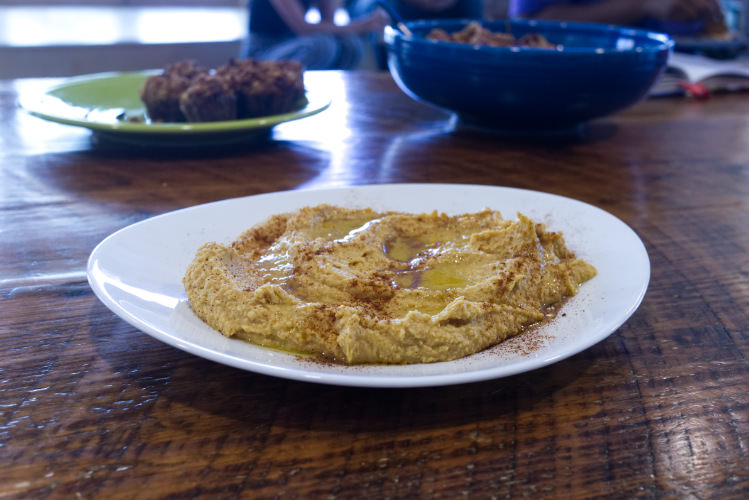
(245, 88)
(186, 69)
(209, 98)
(264, 87)
(161, 93)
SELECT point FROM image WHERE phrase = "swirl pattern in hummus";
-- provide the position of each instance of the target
(357, 286)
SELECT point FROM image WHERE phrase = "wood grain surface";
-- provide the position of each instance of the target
(92, 408)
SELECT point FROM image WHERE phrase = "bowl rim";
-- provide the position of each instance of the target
(662, 41)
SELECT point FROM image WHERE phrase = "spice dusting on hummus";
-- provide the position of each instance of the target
(358, 286)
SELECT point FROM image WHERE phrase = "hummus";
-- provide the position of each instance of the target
(358, 286)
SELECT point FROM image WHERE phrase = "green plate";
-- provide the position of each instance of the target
(110, 105)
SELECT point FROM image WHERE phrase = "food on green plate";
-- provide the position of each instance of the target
(245, 88)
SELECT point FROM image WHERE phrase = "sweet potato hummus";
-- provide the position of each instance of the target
(358, 286)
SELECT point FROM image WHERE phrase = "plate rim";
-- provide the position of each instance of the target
(353, 380)
(32, 102)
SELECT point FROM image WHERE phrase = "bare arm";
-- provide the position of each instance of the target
(292, 13)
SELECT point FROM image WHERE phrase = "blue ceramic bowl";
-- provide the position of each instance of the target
(597, 70)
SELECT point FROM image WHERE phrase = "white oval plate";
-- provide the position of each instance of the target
(137, 272)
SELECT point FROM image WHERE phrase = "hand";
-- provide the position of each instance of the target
(373, 22)
(682, 10)
(378, 20)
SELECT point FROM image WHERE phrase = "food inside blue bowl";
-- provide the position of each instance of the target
(476, 34)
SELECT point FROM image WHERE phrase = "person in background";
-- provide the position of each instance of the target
(280, 30)
(676, 17)
(430, 9)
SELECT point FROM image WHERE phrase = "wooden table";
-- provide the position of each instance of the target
(91, 407)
